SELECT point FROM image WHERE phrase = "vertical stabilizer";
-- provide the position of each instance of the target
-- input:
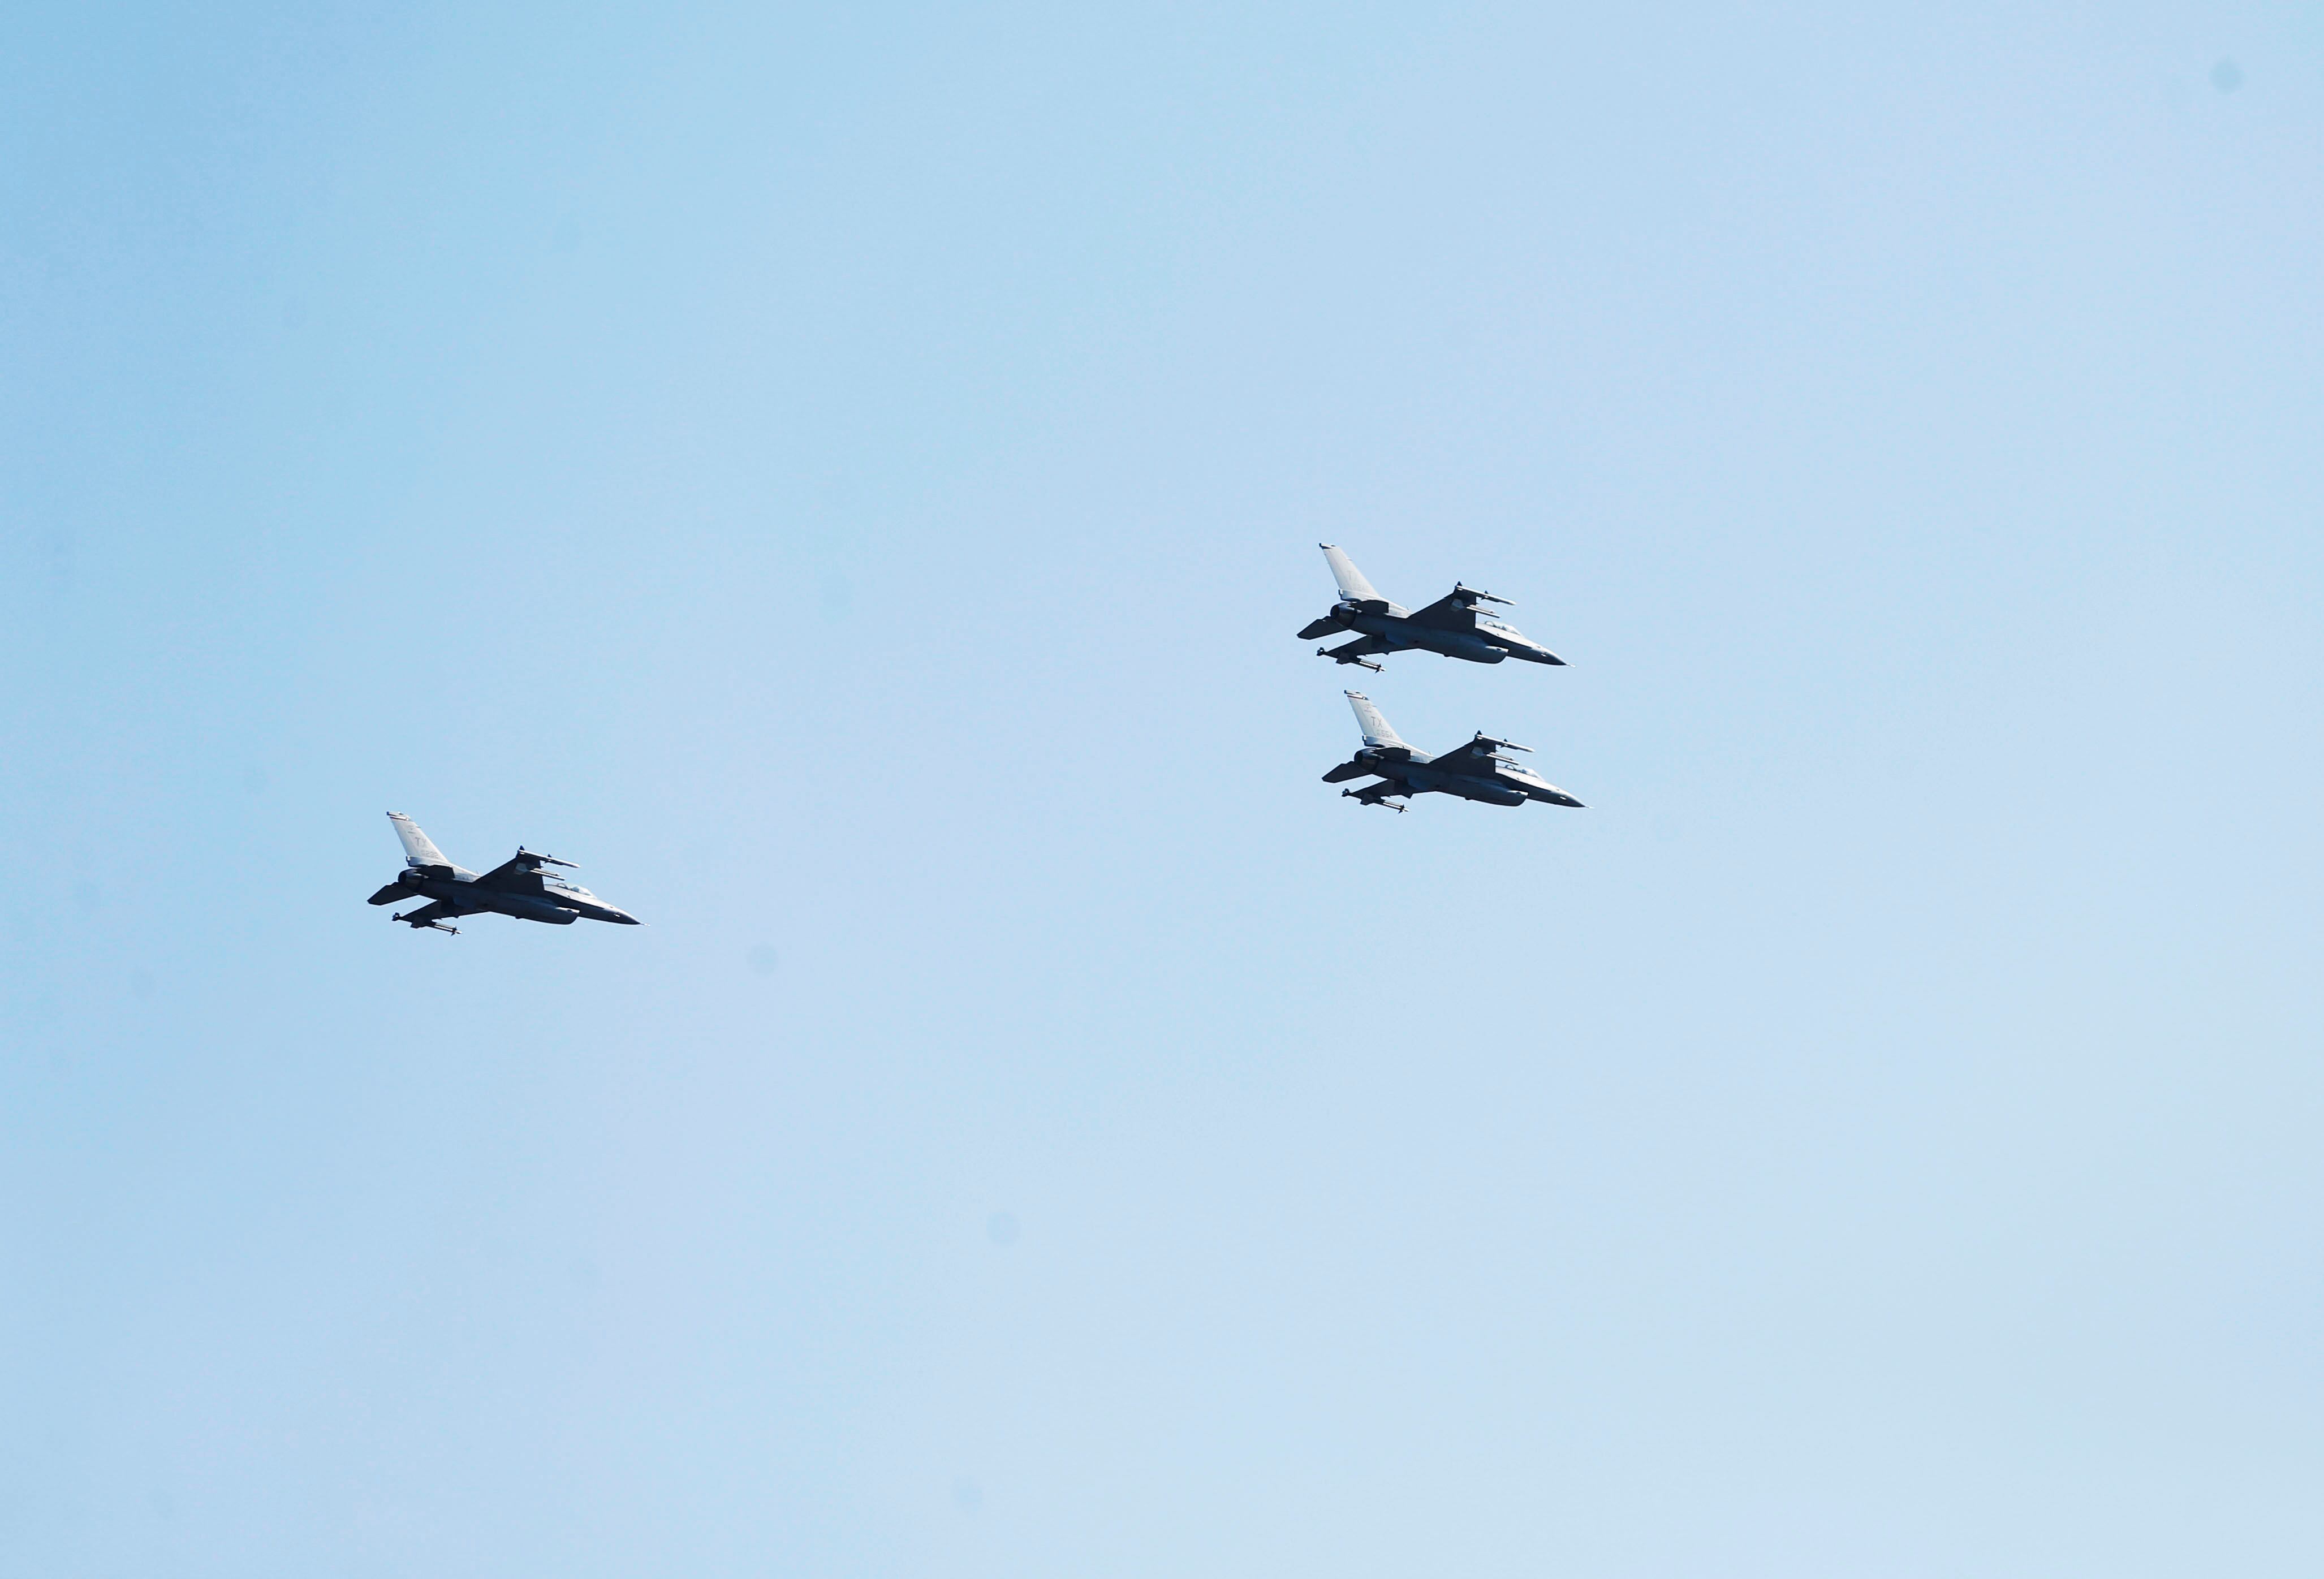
(1375, 727)
(1352, 585)
(419, 850)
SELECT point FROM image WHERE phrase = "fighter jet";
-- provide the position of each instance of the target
(1450, 625)
(1477, 771)
(520, 886)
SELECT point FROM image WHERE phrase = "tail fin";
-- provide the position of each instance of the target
(419, 850)
(1375, 727)
(1352, 585)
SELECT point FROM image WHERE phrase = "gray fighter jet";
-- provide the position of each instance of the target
(1450, 625)
(1477, 771)
(522, 886)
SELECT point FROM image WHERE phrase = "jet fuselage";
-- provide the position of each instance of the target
(1393, 626)
(1500, 785)
(554, 904)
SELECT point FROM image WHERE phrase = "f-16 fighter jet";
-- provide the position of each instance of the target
(1450, 625)
(1477, 771)
(522, 886)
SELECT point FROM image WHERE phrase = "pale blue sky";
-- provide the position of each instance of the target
(848, 478)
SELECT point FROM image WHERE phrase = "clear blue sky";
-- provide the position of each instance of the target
(849, 478)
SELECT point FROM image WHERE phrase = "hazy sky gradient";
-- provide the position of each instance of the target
(848, 478)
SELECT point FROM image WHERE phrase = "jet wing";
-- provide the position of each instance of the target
(429, 914)
(1456, 610)
(1450, 612)
(1478, 755)
(1474, 757)
(520, 871)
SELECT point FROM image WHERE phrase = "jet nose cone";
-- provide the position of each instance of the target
(627, 919)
